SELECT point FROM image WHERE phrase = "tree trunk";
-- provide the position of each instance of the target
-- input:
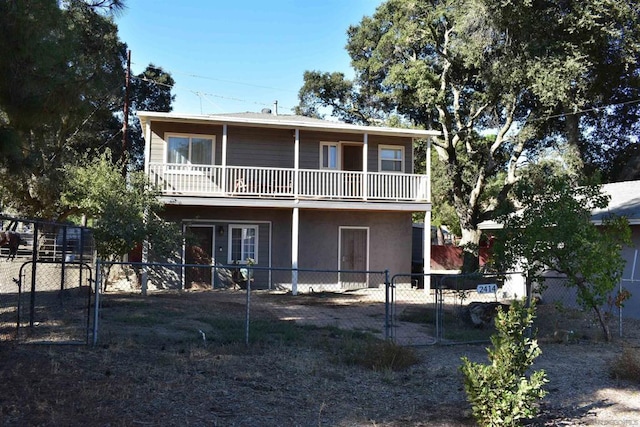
(603, 324)
(470, 244)
(439, 235)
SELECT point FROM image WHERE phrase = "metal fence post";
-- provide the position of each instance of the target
(246, 331)
(387, 322)
(96, 308)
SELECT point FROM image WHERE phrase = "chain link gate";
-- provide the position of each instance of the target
(454, 308)
(54, 302)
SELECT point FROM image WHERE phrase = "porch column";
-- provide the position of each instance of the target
(365, 166)
(295, 223)
(426, 268)
(223, 161)
(296, 163)
(426, 252)
(147, 146)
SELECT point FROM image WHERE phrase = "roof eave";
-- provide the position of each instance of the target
(146, 116)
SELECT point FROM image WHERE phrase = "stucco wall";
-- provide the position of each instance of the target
(389, 238)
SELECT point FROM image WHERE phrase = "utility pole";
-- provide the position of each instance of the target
(125, 120)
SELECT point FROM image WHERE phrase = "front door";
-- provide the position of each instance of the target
(354, 243)
(199, 252)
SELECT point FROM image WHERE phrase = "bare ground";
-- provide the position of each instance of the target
(153, 367)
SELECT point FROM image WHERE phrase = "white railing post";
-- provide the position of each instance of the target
(365, 166)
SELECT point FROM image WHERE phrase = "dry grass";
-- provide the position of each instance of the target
(627, 365)
(153, 367)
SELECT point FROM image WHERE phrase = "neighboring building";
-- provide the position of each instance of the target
(625, 201)
(288, 192)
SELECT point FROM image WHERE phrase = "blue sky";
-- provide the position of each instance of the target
(240, 55)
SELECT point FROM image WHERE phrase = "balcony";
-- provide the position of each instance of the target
(235, 181)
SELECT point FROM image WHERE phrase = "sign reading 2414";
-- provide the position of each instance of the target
(487, 288)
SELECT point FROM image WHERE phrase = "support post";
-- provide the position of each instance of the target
(365, 166)
(296, 164)
(426, 235)
(295, 224)
(223, 162)
(426, 252)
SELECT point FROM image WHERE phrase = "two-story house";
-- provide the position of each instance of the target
(288, 192)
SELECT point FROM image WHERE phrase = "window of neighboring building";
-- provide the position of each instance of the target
(243, 242)
(328, 155)
(391, 158)
(190, 149)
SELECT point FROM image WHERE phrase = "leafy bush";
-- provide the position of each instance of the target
(627, 366)
(500, 393)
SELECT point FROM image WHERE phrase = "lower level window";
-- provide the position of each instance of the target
(243, 241)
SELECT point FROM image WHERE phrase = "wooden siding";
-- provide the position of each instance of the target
(260, 147)
(250, 146)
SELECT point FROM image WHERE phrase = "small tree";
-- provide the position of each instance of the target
(553, 231)
(125, 210)
(500, 393)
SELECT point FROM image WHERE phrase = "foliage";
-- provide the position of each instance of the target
(61, 95)
(62, 68)
(553, 231)
(125, 209)
(500, 393)
(627, 366)
(150, 91)
(501, 80)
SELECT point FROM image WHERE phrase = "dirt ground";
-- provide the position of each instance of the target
(169, 360)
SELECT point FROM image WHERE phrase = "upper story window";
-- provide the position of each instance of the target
(329, 155)
(190, 149)
(391, 158)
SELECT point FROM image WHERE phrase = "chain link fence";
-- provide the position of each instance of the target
(560, 317)
(453, 309)
(46, 283)
(459, 309)
(227, 304)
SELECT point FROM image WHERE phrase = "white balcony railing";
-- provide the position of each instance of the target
(233, 181)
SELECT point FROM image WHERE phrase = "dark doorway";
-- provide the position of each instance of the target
(199, 252)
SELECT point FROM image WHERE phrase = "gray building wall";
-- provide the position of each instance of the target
(631, 278)
(389, 234)
(251, 146)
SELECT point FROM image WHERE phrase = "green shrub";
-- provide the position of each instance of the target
(500, 393)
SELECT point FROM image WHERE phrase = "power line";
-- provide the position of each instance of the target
(200, 93)
(222, 80)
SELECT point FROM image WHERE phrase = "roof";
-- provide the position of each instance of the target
(625, 201)
(282, 121)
